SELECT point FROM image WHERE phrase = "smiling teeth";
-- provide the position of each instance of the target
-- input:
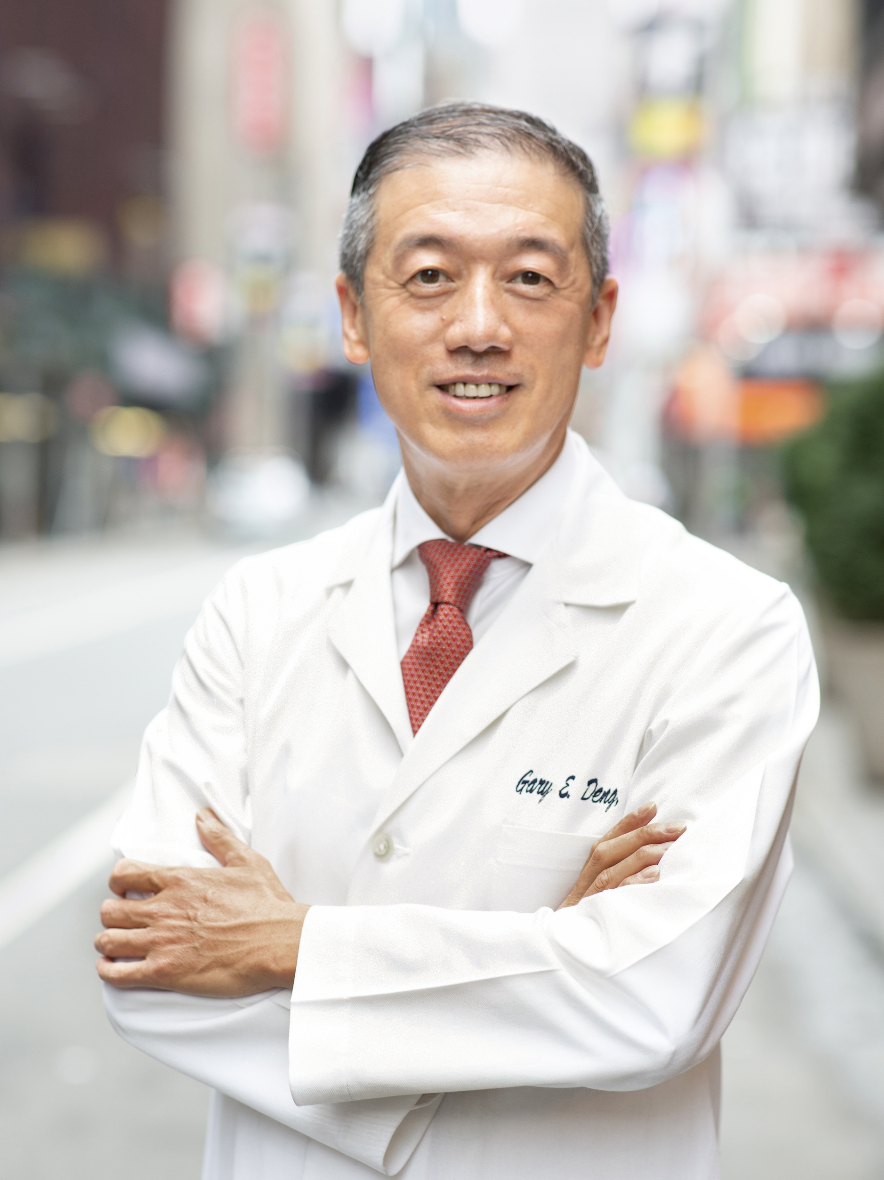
(461, 389)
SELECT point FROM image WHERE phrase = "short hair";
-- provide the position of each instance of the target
(459, 128)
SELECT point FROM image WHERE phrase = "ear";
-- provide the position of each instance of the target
(599, 328)
(355, 336)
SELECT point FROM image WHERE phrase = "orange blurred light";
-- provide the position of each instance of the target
(771, 410)
(709, 403)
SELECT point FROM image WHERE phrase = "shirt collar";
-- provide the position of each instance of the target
(522, 530)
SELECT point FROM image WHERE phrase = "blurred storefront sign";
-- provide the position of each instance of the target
(668, 128)
(64, 246)
(811, 286)
(260, 82)
(199, 302)
(709, 404)
(262, 239)
(798, 313)
(770, 411)
(127, 431)
(669, 121)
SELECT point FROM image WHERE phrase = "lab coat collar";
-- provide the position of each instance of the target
(597, 551)
(601, 544)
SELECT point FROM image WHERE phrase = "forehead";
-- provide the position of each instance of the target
(488, 197)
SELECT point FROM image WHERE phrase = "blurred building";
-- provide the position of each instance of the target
(82, 112)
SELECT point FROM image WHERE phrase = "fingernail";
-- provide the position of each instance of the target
(651, 873)
(207, 815)
(673, 829)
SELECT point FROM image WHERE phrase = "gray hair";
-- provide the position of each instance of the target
(464, 129)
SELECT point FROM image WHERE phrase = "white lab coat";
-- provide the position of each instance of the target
(446, 1021)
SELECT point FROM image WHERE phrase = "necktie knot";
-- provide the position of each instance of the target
(455, 570)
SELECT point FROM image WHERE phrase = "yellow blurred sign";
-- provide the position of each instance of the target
(26, 417)
(668, 128)
(127, 431)
(62, 246)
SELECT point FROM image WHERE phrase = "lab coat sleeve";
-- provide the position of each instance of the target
(194, 755)
(628, 988)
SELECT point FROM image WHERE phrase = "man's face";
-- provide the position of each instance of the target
(477, 309)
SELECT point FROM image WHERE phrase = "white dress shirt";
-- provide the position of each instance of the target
(522, 531)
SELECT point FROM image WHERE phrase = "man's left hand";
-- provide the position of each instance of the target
(231, 931)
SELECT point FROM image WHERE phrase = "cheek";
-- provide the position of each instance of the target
(552, 329)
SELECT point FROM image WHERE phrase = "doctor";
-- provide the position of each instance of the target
(391, 751)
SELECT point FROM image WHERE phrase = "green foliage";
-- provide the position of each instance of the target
(835, 478)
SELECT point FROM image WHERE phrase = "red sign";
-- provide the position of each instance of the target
(198, 298)
(809, 285)
(260, 83)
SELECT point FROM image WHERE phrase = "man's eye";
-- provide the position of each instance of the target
(530, 278)
(429, 276)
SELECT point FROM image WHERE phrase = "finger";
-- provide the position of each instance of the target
(123, 944)
(649, 855)
(123, 974)
(133, 876)
(219, 839)
(596, 861)
(131, 915)
(608, 853)
(646, 877)
(611, 852)
(635, 819)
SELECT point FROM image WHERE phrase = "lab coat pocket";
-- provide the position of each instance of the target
(534, 868)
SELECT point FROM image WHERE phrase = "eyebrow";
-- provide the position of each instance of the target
(544, 246)
(423, 242)
(436, 241)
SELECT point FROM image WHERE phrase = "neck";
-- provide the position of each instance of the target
(462, 502)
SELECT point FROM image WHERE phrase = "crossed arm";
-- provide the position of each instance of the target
(235, 931)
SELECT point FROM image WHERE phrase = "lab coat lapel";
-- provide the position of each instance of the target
(527, 644)
(594, 562)
(362, 628)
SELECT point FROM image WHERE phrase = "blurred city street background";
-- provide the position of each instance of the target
(173, 396)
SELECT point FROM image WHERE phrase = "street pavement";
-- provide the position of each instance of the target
(89, 633)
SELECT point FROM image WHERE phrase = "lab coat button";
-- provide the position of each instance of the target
(383, 846)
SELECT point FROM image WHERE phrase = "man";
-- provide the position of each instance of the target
(405, 737)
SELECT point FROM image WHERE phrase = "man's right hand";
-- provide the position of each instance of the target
(627, 855)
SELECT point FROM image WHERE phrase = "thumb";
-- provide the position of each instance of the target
(219, 839)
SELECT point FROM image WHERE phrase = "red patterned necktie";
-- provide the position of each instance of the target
(443, 638)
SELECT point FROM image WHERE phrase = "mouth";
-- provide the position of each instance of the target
(469, 391)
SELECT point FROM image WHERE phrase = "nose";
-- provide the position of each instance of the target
(478, 319)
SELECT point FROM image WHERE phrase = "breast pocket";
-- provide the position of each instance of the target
(535, 868)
